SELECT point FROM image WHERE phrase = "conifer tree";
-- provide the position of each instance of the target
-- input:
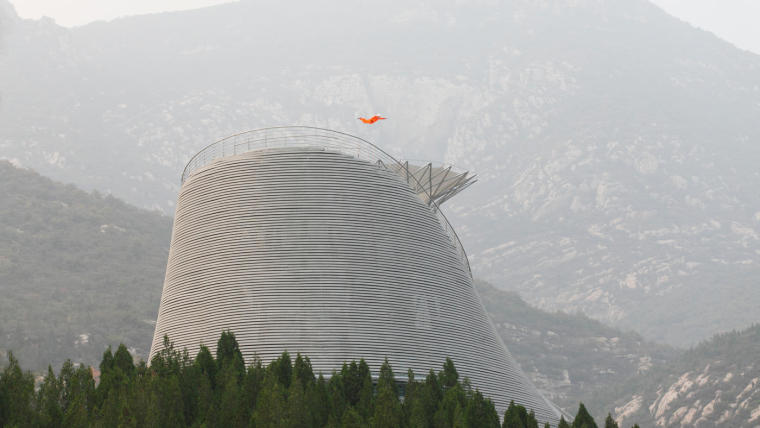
(252, 384)
(387, 405)
(122, 360)
(16, 394)
(228, 354)
(480, 412)
(430, 395)
(76, 414)
(460, 418)
(410, 397)
(366, 404)
(282, 368)
(563, 423)
(231, 413)
(337, 403)
(516, 416)
(352, 419)
(207, 365)
(449, 376)
(65, 380)
(49, 401)
(302, 370)
(170, 399)
(609, 422)
(319, 402)
(106, 377)
(353, 376)
(454, 400)
(80, 396)
(583, 418)
(205, 409)
(531, 422)
(297, 414)
(271, 407)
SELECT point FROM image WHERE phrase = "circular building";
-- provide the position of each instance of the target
(314, 241)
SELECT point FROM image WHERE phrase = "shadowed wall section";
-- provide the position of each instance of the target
(315, 251)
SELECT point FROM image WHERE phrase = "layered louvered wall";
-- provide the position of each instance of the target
(315, 251)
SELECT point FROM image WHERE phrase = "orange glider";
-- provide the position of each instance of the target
(372, 119)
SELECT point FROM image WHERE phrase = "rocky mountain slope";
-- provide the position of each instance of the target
(78, 271)
(570, 357)
(616, 146)
(716, 384)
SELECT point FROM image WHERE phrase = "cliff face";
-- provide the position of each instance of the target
(616, 146)
(571, 357)
(716, 384)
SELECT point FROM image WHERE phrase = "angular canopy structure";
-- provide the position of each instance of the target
(434, 184)
(313, 241)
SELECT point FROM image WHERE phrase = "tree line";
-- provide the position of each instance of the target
(176, 390)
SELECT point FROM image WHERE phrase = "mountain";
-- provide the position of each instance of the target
(570, 357)
(715, 384)
(78, 271)
(616, 146)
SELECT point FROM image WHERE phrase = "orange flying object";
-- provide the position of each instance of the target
(372, 119)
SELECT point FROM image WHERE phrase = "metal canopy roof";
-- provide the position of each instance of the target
(434, 183)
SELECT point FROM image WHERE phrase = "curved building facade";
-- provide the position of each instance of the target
(320, 243)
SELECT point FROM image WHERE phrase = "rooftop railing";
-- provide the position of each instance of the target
(304, 136)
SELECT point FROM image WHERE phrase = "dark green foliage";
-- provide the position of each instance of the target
(449, 376)
(319, 401)
(532, 421)
(229, 357)
(609, 422)
(282, 368)
(517, 416)
(352, 419)
(563, 423)
(354, 377)
(431, 394)
(16, 394)
(177, 391)
(583, 418)
(78, 394)
(94, 263)
(271, 407)
(451, 408)
(302, 370)
(388, 411)
(122, 361)
(252, 385)
(206, 365)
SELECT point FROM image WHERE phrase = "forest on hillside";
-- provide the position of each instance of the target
(78, 270)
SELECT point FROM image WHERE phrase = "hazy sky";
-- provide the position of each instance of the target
(733, 20)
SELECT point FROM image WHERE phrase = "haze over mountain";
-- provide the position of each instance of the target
(616, 146)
